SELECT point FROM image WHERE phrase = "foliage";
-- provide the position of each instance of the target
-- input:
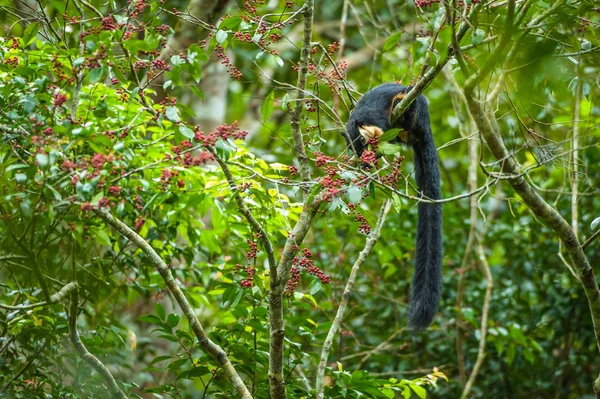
(94, 115)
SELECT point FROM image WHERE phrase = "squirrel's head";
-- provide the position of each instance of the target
(372, 114)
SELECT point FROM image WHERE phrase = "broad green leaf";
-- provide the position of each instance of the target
(391, 41)
(389, 135)
(267, 106)
(172, 114)
(30, 33)
(159, 310)
(186, 131)
(221, 36)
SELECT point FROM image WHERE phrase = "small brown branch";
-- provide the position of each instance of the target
(337, 321)
(575, 148)
(277, 285)
(298, 103)
(485, 269)
(589, 240)
(90, 359)
(459, 103)
(428, 77)
(163, 269)
(59, 296)
(256, 226)
(378, 348)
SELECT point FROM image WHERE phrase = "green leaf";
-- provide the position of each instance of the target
(230, 23)
(285, 102)
(102, 237)
(354, 194)
(267, 106)
(595, 223)
(96, 75)
(150, 318)
(30, 33)
(391, 41)
(172, 115)
(389, 135)
(186, 131)
(42, 159)
(221, 36)
(196, 90)
(389, 148)
(26, 208)
(20, 177)
(173, 320)
(420, 391)
(159, 310)
(477, 37)
(279, 61)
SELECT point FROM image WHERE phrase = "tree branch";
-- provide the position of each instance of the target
(337, 321)
(90, 359)
(163, 269)
(59, 296)
(298, 103)
(485, 269)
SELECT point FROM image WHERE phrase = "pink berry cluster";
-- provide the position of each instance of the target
(248, 281)
(394, 175)
(304, 263)
(364, 226)
(225, 60)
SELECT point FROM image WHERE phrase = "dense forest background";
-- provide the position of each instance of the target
(179, 216)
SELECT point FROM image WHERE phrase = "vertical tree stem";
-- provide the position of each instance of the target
(485, 269)
(337, 321)
(299, 98)
(575, 148)
(90, 359)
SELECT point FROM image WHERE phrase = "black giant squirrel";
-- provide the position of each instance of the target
(371, 117)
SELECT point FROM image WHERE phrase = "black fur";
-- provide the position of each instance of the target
(374, 109)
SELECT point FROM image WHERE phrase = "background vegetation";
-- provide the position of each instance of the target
(178, 216)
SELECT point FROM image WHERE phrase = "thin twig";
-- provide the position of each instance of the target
(59, 296)
(337, 321)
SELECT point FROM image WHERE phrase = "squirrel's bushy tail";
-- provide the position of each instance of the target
(427, 278)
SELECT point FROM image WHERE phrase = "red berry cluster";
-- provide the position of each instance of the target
(293, 281)
(321, 159)
(140, 5)
(293, 170)
(109, 23)
(139, 222)
(305, 262)
(163, 29)
(425, 3)
(253, 251)
(248, 281)
(167, 176)
(225, 60)
(333, 47)
(59, 99)
(310, 107)
(114, 190)
(584, 23)
(358, 217)
(226, 131)
(12, 61)
(370, 159)
(394, 175)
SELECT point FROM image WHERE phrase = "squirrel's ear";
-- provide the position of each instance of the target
(396, 100)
